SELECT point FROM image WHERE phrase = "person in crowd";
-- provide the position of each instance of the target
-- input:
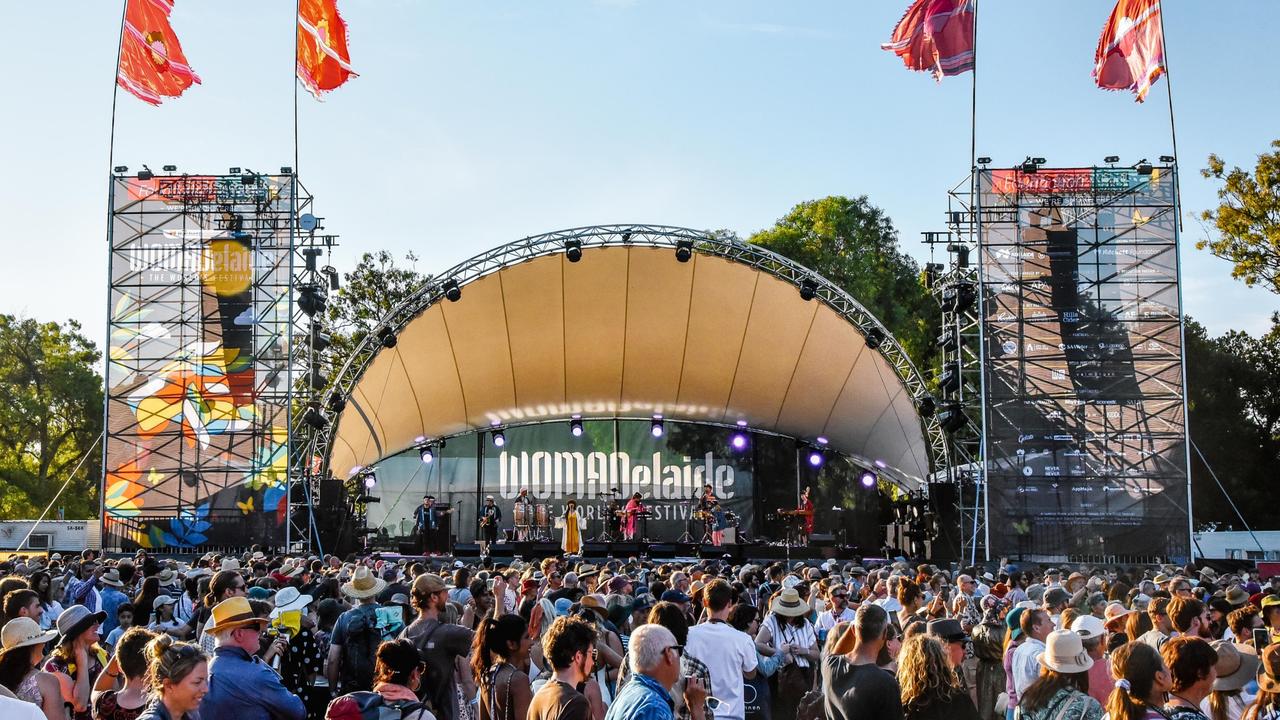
(224, 585)
(397, 676)
(1191, 662)
(77, 660)
(24, 602)
(1267, 705)
(241, 685)
(22, 645)
(1189, 616)
(953, 638)
(988, 650)
(162, 619)
(124, 621)
(1093, 635)
(113, 597)
(853, 685)
(1141, 682)
(50, 608)
(730, 655)
(1062, 688)
(442, 646)
(930, 685)
(1235, 669)
(356, 636)
(120, 692)
(1161, 624)
(499, 653)
(837, 609)
(179, 677)
(654, 660)
(569, 648)
(82, 584)
(787, 630)
(1025, 667)
(673, 619)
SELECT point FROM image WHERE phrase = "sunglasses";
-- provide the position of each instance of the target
(678, 648)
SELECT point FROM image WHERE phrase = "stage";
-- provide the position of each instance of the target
(737, 553)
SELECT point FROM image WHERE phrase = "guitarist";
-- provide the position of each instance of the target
(490, 517)
(431, 522)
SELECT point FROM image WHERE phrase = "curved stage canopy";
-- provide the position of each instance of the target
(629, 331)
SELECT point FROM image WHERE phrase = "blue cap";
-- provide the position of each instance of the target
(563, 605)
(674, 596)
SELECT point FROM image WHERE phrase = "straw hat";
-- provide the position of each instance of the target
(789, 604)
(1237, 596)
(233, 613)
(23, 632)
(1235, 669)
(231, 564)
(1064, 653)
(594, 602)
(112, 578)
(364, 584)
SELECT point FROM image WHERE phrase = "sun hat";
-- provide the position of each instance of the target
(233, 613)
(946, 629)
(75, 620)
(1115, 613)
(789, 604)
(112, 578)
(1237, 596)
(1064, 653)
(595, 603)
(231, 564)
(1269, 678)
(22, 632)
(1088, 626)
(290, 598)
(1235, 669)
(365, 584)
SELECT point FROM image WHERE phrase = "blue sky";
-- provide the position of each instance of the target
(476, 123)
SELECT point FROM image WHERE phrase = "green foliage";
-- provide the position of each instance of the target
(1247, 219)
(50, 416)
(854, 244)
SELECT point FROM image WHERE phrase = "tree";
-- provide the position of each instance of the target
(854, 244)
(50, 417)
(1247, 219)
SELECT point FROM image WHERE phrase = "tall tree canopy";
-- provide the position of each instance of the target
(50, 417)
(1247, 219)
(854, 244)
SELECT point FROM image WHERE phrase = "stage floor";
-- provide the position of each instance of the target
(735, 553)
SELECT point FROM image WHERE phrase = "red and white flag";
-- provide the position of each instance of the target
(1130, 53)
(152, 65)
(324, 61)
(937, 36)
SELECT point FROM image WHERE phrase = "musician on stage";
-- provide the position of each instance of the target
(431, 523)
(712, 514)
(634, 507)
(806, 509)
(523, 499)
(490, 517)
(572, 523)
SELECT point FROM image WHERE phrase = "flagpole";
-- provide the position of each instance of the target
(1173, 130)
(973, 96)
(115, 88)
(297, 8)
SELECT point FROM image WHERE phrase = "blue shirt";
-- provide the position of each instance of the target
(643, 698)
(112, 599)
(245, 688)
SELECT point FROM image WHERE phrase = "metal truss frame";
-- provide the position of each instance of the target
(315, 442)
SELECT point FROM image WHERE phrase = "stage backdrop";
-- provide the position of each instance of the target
(197, 371)
(1086, 433)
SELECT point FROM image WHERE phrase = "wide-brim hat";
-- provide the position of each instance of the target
(111, 578)
(24, 632)
(1269, 678)
(233, 613)
(1235, 669)
(363, 584)
(75, 620)
(166, 576)
(946, 629)
(789, 604)
(595, 603)
(1064, 652)
(1236, 595)
(231, 564)
(291, 598)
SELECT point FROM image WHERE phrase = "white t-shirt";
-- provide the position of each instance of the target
(826, 620)
(13, 709)
(727, 653)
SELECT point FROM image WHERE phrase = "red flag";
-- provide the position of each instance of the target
(324, 62)
(152, 65)
(935, 35)
(1130, 52)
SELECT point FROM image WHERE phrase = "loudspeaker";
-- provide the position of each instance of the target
(944, 500)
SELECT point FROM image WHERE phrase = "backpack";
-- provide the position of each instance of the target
(370, 706)
(363, 638)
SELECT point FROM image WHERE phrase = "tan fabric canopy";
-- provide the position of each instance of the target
(628, 332)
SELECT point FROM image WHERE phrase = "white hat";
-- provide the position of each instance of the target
(1064, 653)
(162, 600)
(230, 564)
(1088, 626)
(288, 599)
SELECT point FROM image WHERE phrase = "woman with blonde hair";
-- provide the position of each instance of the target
(930, 688)
(179, 678)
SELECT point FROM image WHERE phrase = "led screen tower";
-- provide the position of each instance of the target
(1085, 414)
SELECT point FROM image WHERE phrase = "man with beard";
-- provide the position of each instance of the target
(439, 644)
(570, 648)
(1190, 617)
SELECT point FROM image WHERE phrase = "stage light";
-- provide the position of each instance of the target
(387, 337)
(310, 254)
(684, 250)
(927, 405)
(808, 289)
(320, 340)
(145, 173)
(822, 440)
(815, 457)
(950, 381)
(452, 292)
(336, 402)
(312, 299)
(499, 439)
(332, 273)
(961, 251)
(626, 236)
(868, 479)
(874, 337)
(1168, 159)
(314, 418)
(427, 454)
(1111, 159)
(1143, 167)
(655, 426)
(984, 160)
(370, 480)
(881, 464)
(952, 417)
(120, 169)
(739, 440)
(248, 178)
(573, 250)
(1028, 166)
(171, 168)
(286, 170)
(316, 376)
(575, 426)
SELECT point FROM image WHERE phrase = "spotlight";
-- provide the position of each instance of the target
(822, 440)
(233, 171)
(626, 236)
(312, 299)
(332, 272)
(1028, 166)
(248, 178)
(320, 340)
(286, 170)
(950, 381)
(927, 405)
(984, 160)
(120, 169)
(499, 439)
(369, 480)
(316, 376)
(575, 426)
(961, 251)
(310, 254)
(1111, 159)
(684, 250)
(171, 168)
(952, 417)
(815, 457)
(427, 454)
(1143, 167)
(573, 250)
(808, 289)
(336, 403)
(868, 479)
(387, 337)
(314, 418)
(739, 440)
(1168, 159)
(655, 427)
(452, 292)
(874, 337)
(145, 173)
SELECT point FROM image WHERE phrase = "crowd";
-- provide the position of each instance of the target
(259, 636)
